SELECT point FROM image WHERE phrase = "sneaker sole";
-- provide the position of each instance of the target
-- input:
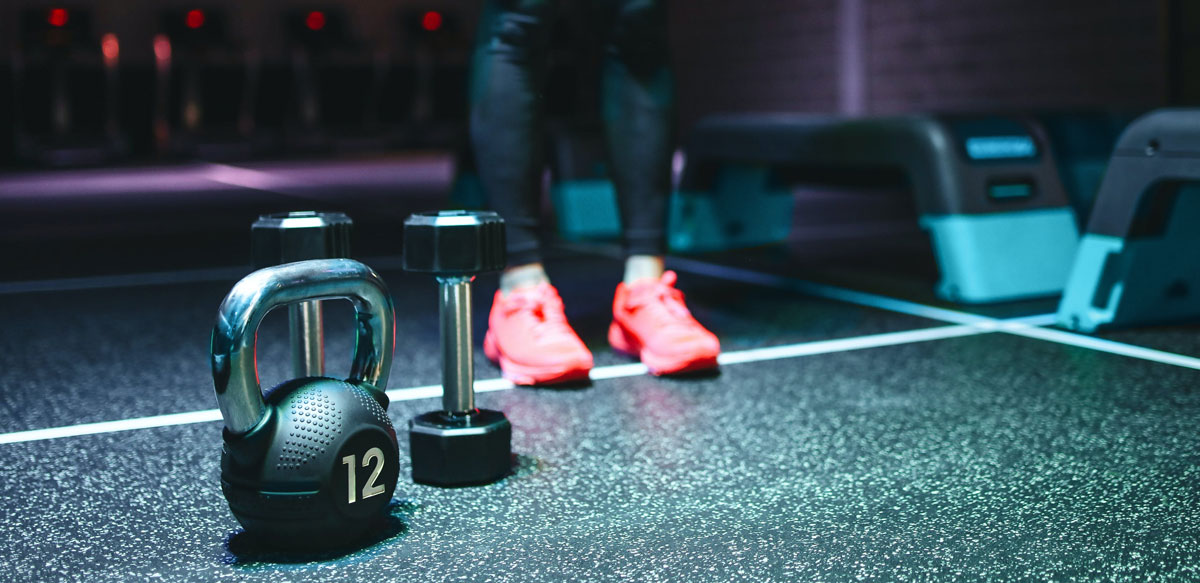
(659, 365)
(528, 375)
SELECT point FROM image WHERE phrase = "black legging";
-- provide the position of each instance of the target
(508, 71)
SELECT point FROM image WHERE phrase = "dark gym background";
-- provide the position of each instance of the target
(854, 56)
(848, 56)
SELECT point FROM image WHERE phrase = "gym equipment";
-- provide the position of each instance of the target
(1139, 261)
(986, 188)
(297, 236)
(337, 82)
(585, 202)
(206, 86)
(433, 51)
(1082, 142)
(460, 445)
(66, 87)
(315, 462)
(467, 190)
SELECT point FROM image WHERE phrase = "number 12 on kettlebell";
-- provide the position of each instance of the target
(373, 458)
(284, 456)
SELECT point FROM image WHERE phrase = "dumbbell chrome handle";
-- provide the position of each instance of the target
(458, 370)
(307, 339)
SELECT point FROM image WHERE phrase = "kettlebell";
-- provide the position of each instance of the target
(314, 463)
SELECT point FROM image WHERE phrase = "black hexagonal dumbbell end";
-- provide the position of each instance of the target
(466, 450)
(298, 236)
(454, 243)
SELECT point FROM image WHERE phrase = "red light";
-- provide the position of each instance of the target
(111, 49)
(315, 20)
(194, 19)
(431, 21)
(162, 50)
(57, 17)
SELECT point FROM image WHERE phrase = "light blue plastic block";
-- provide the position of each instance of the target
(742, 210)
(1150, 279)
(1003, 256)
(586, 209)
(1078, 309)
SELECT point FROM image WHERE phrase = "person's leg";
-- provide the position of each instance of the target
(507, 74)
(638, 107)
(528, 334)
(639, 267)
(523, 276)
(650, 319)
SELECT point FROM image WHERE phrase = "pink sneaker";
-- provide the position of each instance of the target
(528, 335)
(651, 322)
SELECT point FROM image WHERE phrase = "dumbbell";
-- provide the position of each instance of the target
(460, 445)
(298, 236)
(315, 462)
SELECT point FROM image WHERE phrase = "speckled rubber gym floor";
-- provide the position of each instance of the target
(856, 429)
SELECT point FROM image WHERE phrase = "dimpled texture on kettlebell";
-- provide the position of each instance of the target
(315, 421)
(315, 418)
(372, 406)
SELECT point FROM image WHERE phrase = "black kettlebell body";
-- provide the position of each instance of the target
(319, 469)
(314, 463)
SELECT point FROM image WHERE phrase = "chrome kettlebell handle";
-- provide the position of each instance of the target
(235, 374)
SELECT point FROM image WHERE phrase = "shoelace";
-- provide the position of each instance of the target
(662, 302)
(533, 304)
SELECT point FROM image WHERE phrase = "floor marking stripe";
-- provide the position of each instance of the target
(432, 391)
(1102, 345)
(1038, 320)
(616, 371)
(848, 344)
(825, 291)
(499, 384)
(1029, 326)
(112, 426)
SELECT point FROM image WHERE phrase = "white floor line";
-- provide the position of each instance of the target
(112, 426)
(825, 291)
(848, 344)
(1102, 345)
(1037, 320)
(497, 384)
(1029, 326)
(431, 391)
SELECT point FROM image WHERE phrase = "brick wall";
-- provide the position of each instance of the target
(989, 54)
(755, 55)
(920, 55)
